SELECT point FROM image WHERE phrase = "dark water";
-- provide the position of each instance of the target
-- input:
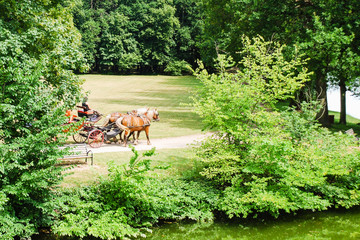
(332, 224)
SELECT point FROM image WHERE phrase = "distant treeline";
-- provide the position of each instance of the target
(144, 36)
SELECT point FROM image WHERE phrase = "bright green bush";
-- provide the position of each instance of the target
(130, 201)
(38, 47)
(264, 160)
(178, 68)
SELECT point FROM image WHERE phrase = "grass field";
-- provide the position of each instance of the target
(178, 160)
(109, 93)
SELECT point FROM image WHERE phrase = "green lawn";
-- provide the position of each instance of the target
(109, 93)
(351, 122)
(179, 160)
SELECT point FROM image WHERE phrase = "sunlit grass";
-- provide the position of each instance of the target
(351, 122)
(179, 160)
(110, 93)
(171, 95)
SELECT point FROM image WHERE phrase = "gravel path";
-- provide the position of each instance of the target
(161, 143)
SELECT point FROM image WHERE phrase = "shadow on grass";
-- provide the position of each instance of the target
(352, 123)
(164, 98)
(341, 127)
(184, 119)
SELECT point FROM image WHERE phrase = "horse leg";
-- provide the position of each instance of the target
(131, 134)
(120, 137)
(136, 141)
(126, 135)
(138, 135)
(147, 135)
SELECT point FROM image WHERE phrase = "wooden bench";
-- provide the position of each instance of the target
(78, 151)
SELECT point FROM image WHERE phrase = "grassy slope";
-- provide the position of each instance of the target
(123, 93)
(351, 123)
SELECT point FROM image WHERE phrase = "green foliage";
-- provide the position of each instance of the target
(122, 36)
(326, 31)
(178, 68)
(130, 200)
(38, 49)
(268, 161)
(245, 96)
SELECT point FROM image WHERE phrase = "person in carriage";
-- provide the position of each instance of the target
(85, 110)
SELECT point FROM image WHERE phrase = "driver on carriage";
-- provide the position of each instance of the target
(85, 111)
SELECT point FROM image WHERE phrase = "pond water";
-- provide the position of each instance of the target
(332, 224)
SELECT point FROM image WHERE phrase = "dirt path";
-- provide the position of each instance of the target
(161, 143)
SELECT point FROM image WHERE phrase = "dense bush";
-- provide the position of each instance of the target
(265, 160)
(38, 49)
(178, 68)
(130, 201)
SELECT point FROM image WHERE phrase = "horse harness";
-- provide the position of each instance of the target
(145, 119)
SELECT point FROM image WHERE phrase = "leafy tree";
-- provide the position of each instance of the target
(187, 35)
(292, 23)
(123, 36)
(38, 50)
(263, 159)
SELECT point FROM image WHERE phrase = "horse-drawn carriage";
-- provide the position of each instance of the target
(96, 135)
(88, 132)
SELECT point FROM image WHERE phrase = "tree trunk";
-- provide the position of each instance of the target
(342, 101)
(321, 88)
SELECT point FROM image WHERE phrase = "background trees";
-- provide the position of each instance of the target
(326, 31)
(145, 36)
(38, 49)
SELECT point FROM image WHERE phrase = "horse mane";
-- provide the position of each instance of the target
(146, 111)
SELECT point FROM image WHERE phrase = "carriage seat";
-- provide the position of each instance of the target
(82, 113)
(71, 116)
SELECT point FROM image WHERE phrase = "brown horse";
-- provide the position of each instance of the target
(136, 123)
(112, 117)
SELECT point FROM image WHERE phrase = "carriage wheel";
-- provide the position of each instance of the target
(96, 138)
(80, 137)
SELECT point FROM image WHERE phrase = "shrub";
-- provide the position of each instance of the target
(264, 160)
(178, 68)
(130, 201)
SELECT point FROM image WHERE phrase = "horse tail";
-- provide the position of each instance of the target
(106, 121)
(120, 126)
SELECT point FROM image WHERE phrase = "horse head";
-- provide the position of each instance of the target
(150, 114)
(156, 116)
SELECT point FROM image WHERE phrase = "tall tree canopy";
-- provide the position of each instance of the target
(326, 31)
(39, 47)
(147, 36)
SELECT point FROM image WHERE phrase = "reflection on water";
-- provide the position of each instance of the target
(332, 224)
